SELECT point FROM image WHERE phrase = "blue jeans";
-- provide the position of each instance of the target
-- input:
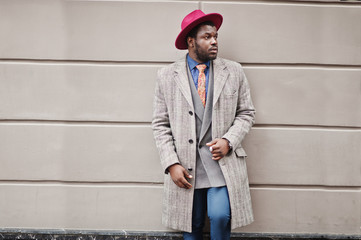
(216, 202)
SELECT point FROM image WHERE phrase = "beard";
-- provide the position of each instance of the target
(202, 55)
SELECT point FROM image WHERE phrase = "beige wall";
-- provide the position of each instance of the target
(76, 87)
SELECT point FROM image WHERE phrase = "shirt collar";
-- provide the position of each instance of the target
(192, 63)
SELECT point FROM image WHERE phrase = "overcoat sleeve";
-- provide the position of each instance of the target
(161, 126)
(245, 112)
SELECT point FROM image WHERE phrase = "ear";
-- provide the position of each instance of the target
(190, 42)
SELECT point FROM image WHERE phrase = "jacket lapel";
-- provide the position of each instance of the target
(220, 76)
(207, 117)
(181, 79)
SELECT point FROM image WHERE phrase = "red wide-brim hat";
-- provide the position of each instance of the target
(193, 19)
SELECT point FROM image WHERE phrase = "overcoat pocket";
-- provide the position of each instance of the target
(240, 152)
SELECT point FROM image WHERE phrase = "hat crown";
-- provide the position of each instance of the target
(191, 17)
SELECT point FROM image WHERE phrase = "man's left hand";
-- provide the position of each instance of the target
(220, 148)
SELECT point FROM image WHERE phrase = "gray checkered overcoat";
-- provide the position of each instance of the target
(174, 131)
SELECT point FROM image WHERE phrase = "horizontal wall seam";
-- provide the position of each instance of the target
(304, 187)
(44, 183)
(72, 123)
(43, 122)
(160, 63)
(306, 127)
(160, 184)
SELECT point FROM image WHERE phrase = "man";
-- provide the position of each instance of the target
(202, 111)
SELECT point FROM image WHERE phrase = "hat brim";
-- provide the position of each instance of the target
(180, 41)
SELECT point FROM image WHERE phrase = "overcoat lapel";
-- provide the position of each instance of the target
(181, 79)
(220, 76)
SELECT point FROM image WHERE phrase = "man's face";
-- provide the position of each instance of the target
(205, 46)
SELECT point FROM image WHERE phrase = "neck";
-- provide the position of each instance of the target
(194, 57)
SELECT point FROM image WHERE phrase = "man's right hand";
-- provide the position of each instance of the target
(179, 175)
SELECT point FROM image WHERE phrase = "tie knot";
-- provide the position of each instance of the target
(201, 67)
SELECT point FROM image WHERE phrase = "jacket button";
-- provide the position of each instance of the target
(190, 169)
(190, 141)
(190, 113)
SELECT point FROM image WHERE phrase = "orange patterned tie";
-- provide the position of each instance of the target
(202, 83)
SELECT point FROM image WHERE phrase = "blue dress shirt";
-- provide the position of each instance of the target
(195, 72)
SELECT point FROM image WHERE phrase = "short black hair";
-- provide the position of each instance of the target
(193, 33)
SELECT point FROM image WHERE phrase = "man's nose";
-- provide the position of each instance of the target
(214, 41)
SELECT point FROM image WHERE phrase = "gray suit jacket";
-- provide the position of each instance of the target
(174, 128)
(208, 172)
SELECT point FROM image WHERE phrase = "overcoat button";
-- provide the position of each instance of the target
(191, 113)
(190, 141)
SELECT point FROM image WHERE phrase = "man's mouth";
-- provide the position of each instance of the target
(213, 50)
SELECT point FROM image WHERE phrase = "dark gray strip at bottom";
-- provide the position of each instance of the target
(12, 234)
